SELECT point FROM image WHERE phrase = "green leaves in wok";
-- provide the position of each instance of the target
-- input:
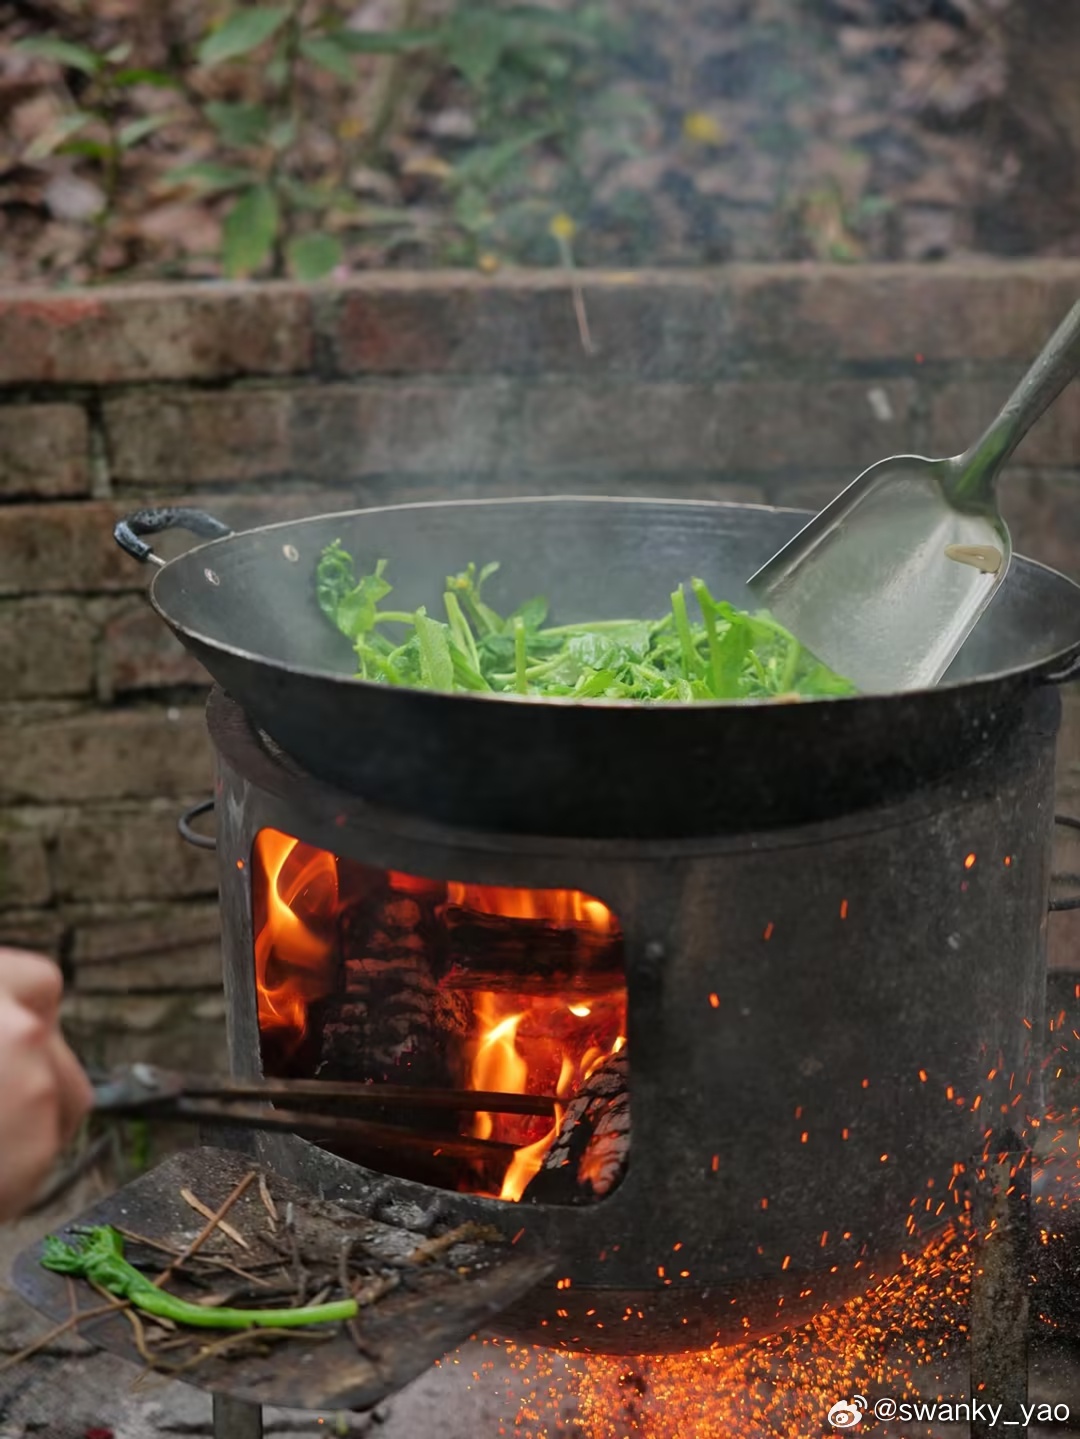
(720, 654)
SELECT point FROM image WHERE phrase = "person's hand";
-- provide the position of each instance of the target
(43, 1090)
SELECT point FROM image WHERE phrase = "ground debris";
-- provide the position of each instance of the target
(750, 130)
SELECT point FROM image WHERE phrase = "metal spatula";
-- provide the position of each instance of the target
(886, 583)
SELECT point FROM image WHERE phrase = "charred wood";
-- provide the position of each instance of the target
(528, 956)
(592, 1148)
(391, 1021)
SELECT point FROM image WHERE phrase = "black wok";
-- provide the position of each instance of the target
(245, 605)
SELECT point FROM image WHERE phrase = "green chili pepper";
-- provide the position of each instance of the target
(99, 1256)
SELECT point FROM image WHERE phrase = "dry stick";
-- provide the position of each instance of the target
(268, 1202)
(566, 255)
(205, 1233)
(46, 1339)
(207, 1213)
(432, 1248)
(136, 1323)
(210, 1351)
(213, 1260)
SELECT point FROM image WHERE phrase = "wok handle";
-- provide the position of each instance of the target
(166, 517)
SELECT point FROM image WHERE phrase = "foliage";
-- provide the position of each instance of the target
(262, 80)
(95, 126)
(725, 655)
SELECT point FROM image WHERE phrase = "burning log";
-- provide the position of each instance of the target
(592, 1148)
(392, 1022)
(529, 956)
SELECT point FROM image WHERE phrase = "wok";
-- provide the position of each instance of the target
(245, 605)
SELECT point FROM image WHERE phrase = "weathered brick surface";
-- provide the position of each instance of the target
(101, 756)
(130, 853)
(960, 311)
(67, 546)
(44, 451)
(42, 930)
(961, 411)
(744, 428)
(24, 866)
(640, 324)
(144, 948)
(139, 651)
(181, 1031)
(1043, 518)
(325, 434)
(47, 648)
(150, 332)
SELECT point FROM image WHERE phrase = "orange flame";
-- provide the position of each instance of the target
(291, 970)
(564, 908)
(522, 1043)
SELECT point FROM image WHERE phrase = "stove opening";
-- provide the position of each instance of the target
(375, 976)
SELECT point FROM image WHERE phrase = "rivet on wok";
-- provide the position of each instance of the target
(290, 552)
(211, 576)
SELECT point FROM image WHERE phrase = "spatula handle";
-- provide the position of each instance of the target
(1040, 387)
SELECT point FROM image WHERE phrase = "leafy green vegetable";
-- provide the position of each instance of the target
(725, 655)
(99, 1257)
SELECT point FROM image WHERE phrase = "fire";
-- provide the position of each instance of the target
(545, 1038)
(564, 908)
(290, 956)
(547, 1049)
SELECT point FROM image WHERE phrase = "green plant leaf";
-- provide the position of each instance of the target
(471, 210)
(313, 256)
(93, 149)
(242, 32)
(123, 79)
(50, 47)
(282, 135)
(250, 228)
(436, 663)
(564, 25)
(474, 42)
(55, 135)
(210, 179)
(386, 42)
(119, 53)
(485, 165)
(130, 134)
(324, 51)
(237, 123)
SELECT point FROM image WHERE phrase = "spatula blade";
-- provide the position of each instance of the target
(886, 583)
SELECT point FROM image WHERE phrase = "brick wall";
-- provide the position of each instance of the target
(270, 402)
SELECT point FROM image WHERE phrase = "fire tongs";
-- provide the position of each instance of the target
(328, 1109)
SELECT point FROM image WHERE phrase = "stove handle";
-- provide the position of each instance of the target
(191, 835)
(126, 532)
(1069, 902)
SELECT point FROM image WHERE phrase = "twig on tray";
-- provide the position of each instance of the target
(268, 1202)
(213, 1261)
(199, 1207)
(205, 1233)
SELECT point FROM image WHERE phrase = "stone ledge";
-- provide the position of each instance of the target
(678, 323)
